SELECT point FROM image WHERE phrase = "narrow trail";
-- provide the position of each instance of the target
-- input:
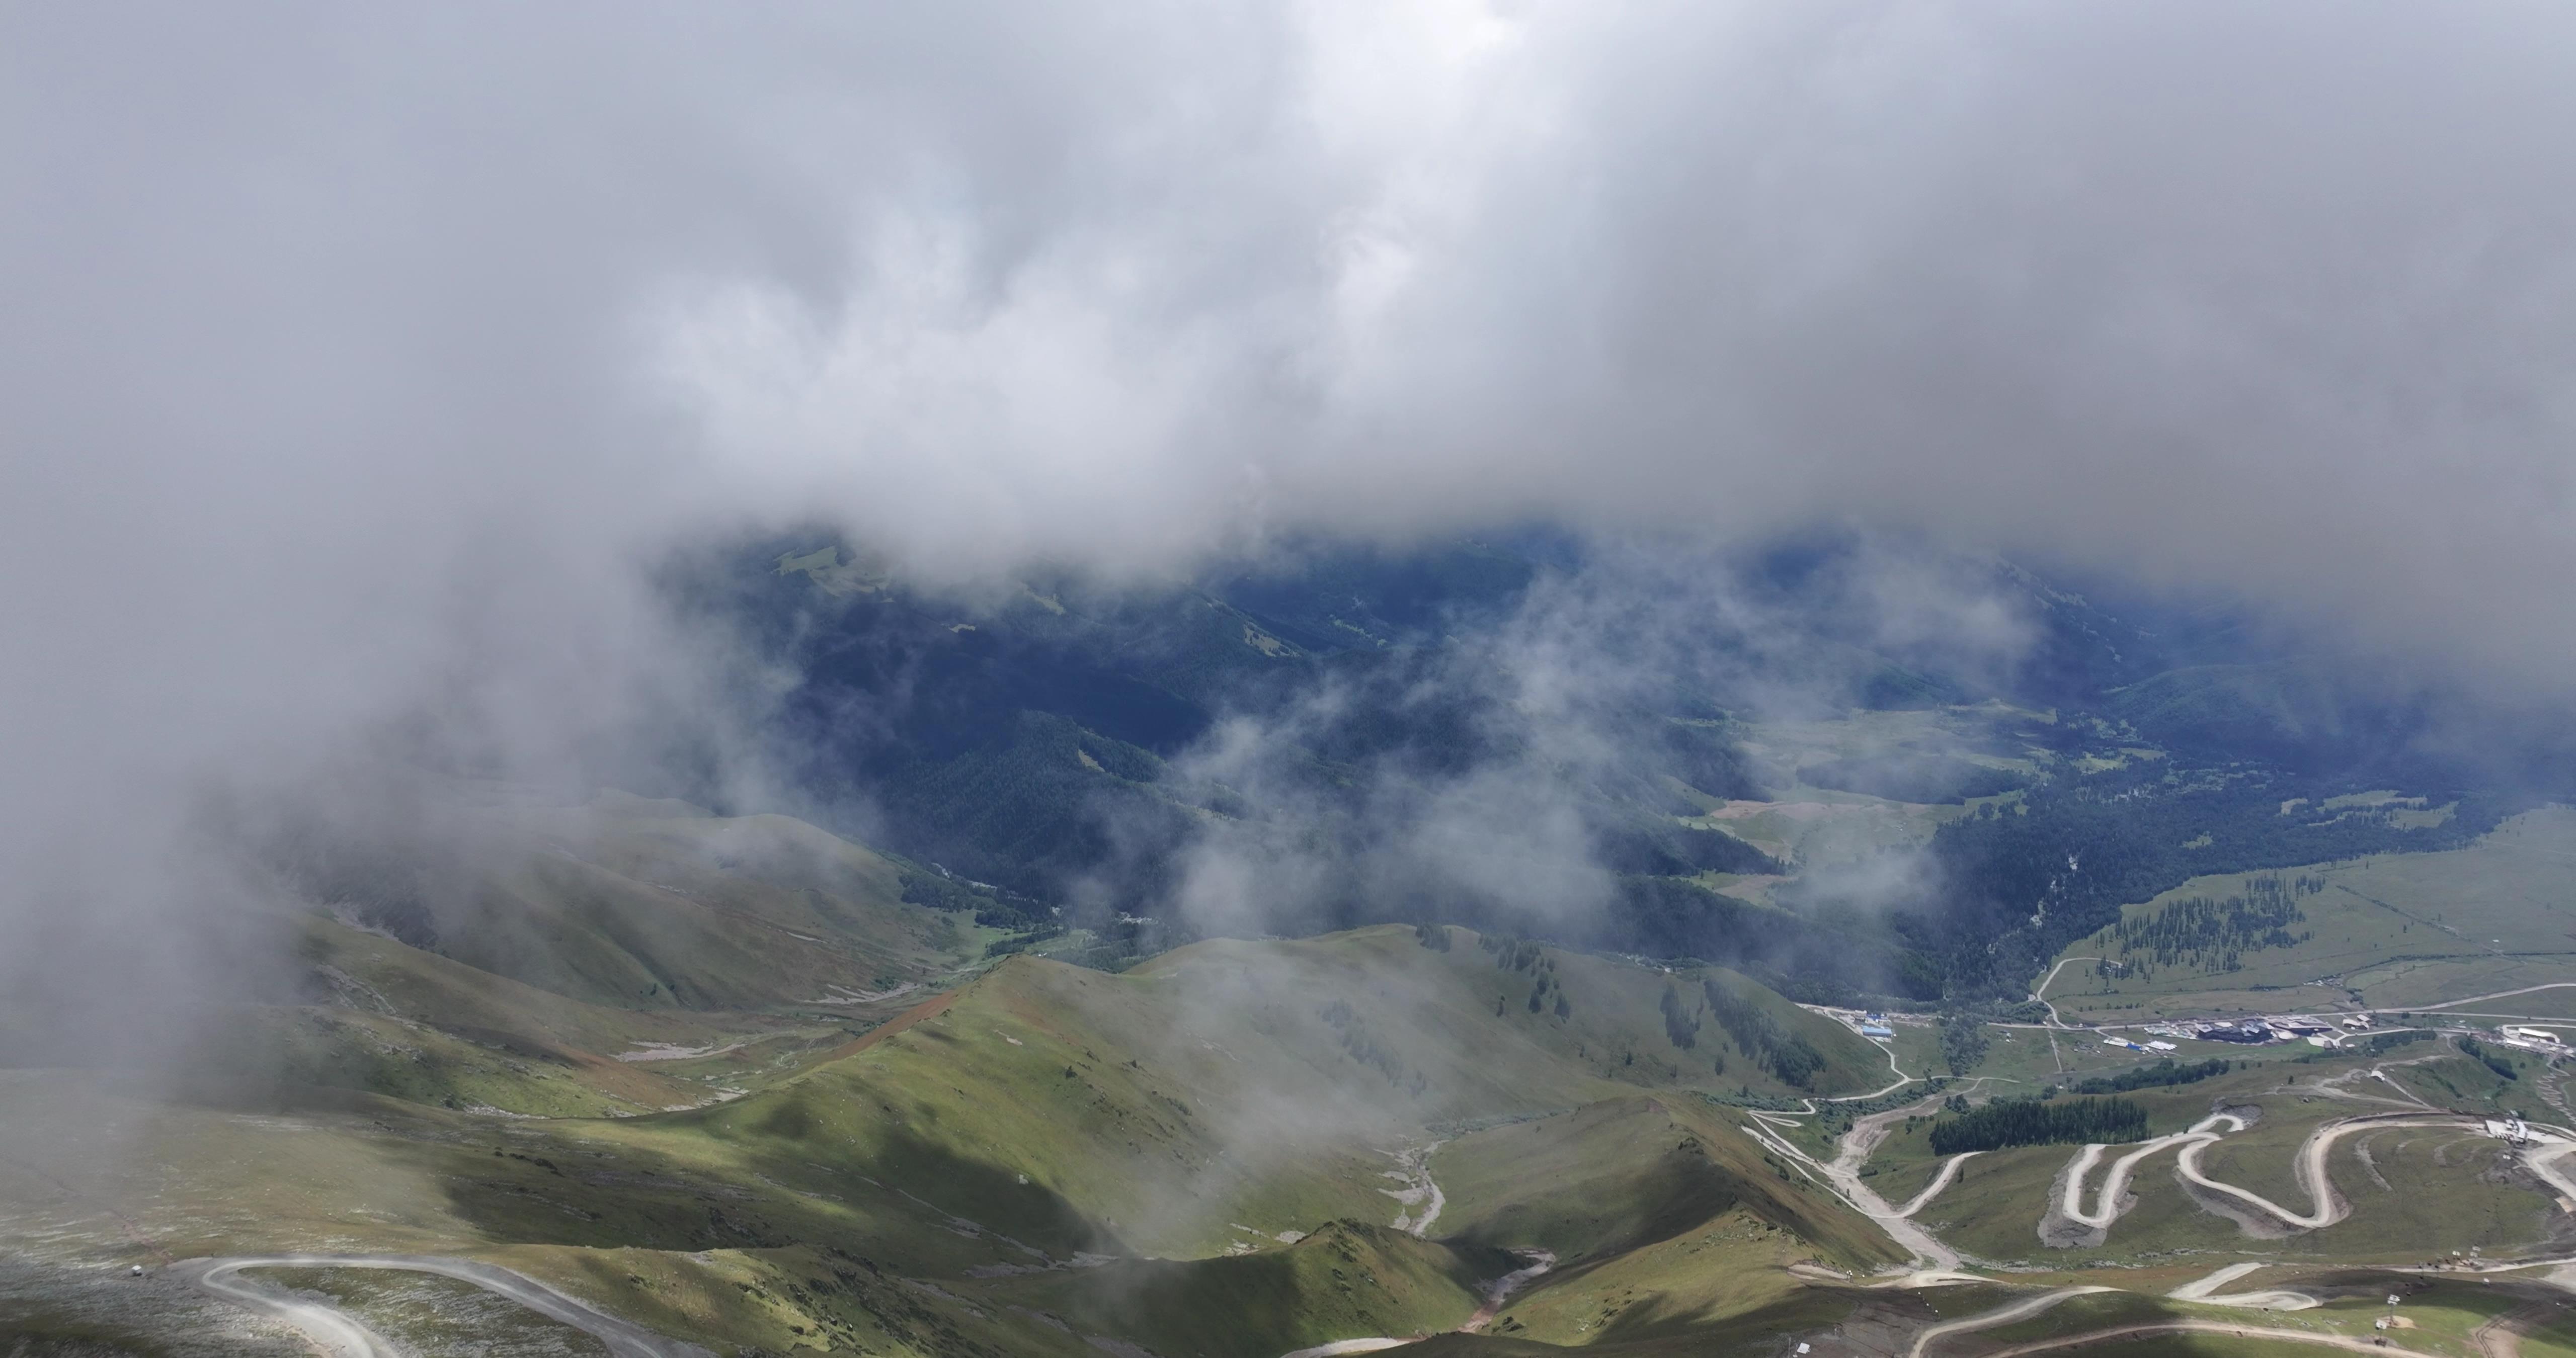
(1539, 1261)
(1949, 1171)
(2000, 1316)
(2205, 1291)
(343, 1336)
(2040, 993)
(2501, 1336)
(334, 1333)
(2338, 1341)
(2497, 995)
(1842, 1176)
(2497, 1338)
(1413, 1169)
(1534, 1263)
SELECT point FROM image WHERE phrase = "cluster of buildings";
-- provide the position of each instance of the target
(2282, 1028)
(2530, 1039)
(1867, 1023)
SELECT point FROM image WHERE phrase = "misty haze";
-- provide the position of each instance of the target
(1783, 680)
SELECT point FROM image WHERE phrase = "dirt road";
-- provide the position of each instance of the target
(2106, 1202)
(2326, 1207)
(2023, 1310)
(2001, 1315)
(343, 1337)
(2205, 1291)
(2338, 1341)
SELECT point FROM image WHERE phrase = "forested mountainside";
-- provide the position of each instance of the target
(1087, 749)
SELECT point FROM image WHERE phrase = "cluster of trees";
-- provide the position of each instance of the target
(1790, 1057)
(2021, 885)
(1680, 1023)
(2213, 935)
(2490, 1058)
(2033, 1122)
(1963, 1041)
(2157, 1076)
(993, 907)
(1361, 1045)
(1518, 955)
(1020, 943)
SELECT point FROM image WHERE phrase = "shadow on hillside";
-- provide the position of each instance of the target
(540, 1186)
(1346, 1278)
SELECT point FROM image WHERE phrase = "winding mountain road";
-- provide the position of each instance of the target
(1843, 1176)
(2040, 993)
(2325, 1209)
(2001, 1315)
(2106, 1200)
(2205, 1291)
(343, 1336)
(1949, 1171)
(2338, 1341)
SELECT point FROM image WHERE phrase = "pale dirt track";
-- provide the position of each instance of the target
(2205, 1291)
(1853, 1151)
(1534, 1262)
(1949, 1171)
(2337, 1341)
(2001, 1315)
(343, 1337)
(1496, 1293)
(2326, 1206)
(2501, 1336)
(2106, 1203)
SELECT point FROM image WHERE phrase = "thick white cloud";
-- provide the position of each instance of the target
(358, 361)
(2275, 299)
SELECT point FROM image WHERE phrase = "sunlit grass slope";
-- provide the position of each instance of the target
(1242, 1123)
(1344, 1281)
(1230, 1084)
(637, 904)
(2400, 930)
(1626, 1173)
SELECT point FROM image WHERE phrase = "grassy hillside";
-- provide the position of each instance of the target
(1616, 1176)
(1345, 1280)
(1231, 1084)
(641, 904)
(1237, 1125)
(623, 957)
(2397, 930)
(2415, 1192)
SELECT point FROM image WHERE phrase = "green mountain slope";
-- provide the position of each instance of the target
(1616, 1176)
(1233, 1084)
(647, 905)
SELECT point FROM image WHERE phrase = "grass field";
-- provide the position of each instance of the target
(2389, 931)
(2420, 1193)
(1815, 826)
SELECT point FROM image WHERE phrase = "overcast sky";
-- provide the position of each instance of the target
(362, 357)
